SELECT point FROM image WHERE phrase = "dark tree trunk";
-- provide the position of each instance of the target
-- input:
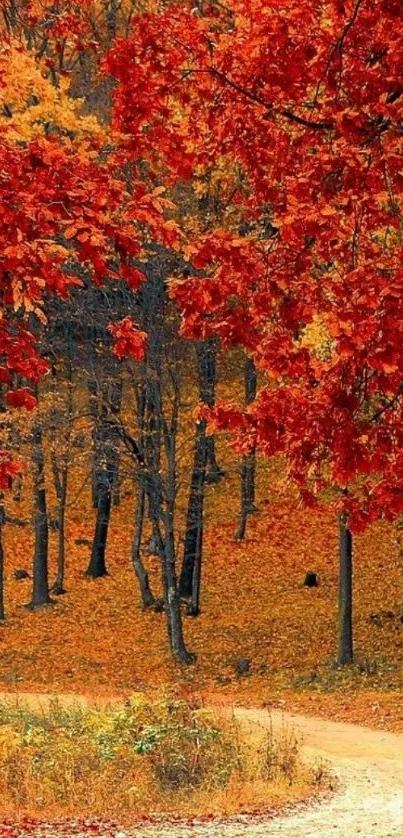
(60, 476)
(97, 565)
(147, 598)
(161, 491)
(94, 413)
(172, 598)
(207, 370)
(345, 654)
(60, 466)
(190, 577)
(205, 470)
(2, 522)
(248, 465)
(169, 579)
(105, 480)
(152, 298)
(40, 593)
(116, 395)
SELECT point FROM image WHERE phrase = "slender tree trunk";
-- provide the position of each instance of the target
(97, 565)
(205, 470)
(94, 413)
(116, 396)
(2, 522)
(170, 584)
(345, 654)
(147, 597)
(190, 577)
(207, 369)
(248, 465)
(172, 599)
(61, 481)
(40, 593)
(161, 493)
(60, 466)
(105, 479)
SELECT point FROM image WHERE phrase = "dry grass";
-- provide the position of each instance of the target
(140, 759)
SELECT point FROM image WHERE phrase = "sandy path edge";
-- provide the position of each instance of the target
(368, 764)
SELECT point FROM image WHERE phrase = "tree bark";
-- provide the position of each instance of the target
(116, 395)
(169, 579)
(207, 369)
(248, 465)
(105, 481)
(94, 413)
(205, 470)
(40, 592)
(346, 651)
(60, 476)
(147, 598)
(159, 473)
(97, 564)
(190, 577)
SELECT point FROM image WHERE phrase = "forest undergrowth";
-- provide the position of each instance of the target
(145, 760)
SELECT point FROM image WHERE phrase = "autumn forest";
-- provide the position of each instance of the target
(201, 354)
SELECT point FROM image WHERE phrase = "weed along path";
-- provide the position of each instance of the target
(367, 802)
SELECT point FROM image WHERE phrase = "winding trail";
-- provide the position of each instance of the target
(369, 800)
(367, 804)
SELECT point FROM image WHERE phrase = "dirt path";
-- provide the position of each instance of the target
(368, 804)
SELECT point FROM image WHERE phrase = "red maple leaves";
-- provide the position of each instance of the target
(307, 102)
(129, 340)
(300, 108)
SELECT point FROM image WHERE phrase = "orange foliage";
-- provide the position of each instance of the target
(97, 640)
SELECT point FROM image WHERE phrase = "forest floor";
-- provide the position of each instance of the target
(96, 640)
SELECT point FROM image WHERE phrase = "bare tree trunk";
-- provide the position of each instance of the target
(161, 490)
(248, 465)
(105, 479)
(170, 584)
(147, 597)
(190, 577)
(172, 599)
(346, 651)
(97, 564)
(207, 369)
(116, 395)
(40, 593)
(60, 477)
(93, 405)
(205, 470)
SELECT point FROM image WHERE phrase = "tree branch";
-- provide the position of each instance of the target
(286, 113)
